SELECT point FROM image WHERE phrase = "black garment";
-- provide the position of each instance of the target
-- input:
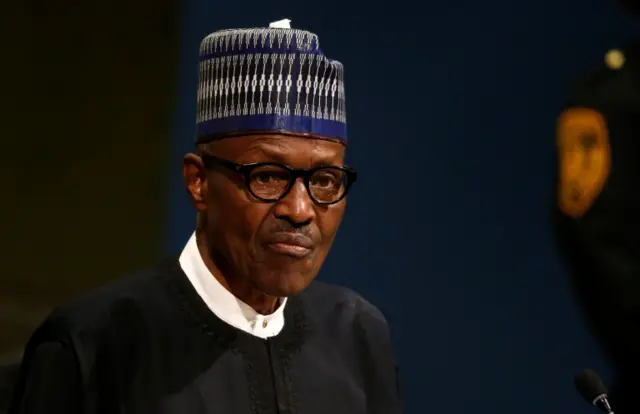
(149, 344)
(8, 377)
(603, 245)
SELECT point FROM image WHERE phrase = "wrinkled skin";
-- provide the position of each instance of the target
(237, 234)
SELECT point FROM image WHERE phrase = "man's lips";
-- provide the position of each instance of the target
(296, 245)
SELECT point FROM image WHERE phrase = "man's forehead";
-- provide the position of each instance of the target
(277, 147)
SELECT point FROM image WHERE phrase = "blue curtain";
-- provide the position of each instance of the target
(451, 112)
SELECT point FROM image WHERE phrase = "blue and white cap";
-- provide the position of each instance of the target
(272, 79)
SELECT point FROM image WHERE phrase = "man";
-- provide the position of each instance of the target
(597, 214)
(236, 325)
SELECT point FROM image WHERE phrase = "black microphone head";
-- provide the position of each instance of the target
(589, 385)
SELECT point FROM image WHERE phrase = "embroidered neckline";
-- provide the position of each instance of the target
(287, 343)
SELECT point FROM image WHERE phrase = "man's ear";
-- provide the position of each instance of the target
(195, 181)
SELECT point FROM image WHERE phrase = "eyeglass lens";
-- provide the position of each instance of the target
(269, 182)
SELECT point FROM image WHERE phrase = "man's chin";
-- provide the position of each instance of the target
(285, 284)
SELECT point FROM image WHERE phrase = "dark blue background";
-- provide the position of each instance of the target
(451, 112)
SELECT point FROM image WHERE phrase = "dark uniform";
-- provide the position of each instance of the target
(598, 210)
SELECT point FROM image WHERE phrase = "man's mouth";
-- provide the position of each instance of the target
(295, 245)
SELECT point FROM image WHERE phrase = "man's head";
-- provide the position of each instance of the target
(268, 177)
(263, 224)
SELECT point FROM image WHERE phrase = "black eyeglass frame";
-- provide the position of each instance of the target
(246, 169)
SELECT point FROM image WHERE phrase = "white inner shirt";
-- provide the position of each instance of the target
(222, 302)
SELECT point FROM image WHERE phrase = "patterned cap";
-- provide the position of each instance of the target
(269, 80)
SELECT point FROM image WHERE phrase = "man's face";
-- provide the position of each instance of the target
(259, 242)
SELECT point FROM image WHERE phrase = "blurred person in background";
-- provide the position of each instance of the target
(598, 214)
(237, 324)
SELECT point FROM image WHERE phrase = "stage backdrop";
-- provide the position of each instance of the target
(451, 112)
(86, 103)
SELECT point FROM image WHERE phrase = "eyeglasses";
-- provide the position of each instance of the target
(270, 182)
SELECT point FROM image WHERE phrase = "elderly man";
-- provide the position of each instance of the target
(237, 324)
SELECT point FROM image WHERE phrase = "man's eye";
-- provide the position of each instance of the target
(269, 177)
(324, 181)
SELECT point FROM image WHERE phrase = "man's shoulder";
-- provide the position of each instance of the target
(330, 302)
(111, 306)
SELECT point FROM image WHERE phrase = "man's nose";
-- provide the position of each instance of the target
(297, 206)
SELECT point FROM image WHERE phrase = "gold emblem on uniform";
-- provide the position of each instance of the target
(614, 59)
(585, 159)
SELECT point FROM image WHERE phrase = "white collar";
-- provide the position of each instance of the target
(222, 302)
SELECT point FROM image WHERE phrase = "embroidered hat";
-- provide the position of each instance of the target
(272, 79)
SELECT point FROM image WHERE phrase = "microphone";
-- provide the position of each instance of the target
(592, 389)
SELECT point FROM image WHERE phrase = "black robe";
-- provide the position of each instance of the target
(149, 344)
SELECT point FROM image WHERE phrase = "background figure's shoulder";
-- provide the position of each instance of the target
(332, 303)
